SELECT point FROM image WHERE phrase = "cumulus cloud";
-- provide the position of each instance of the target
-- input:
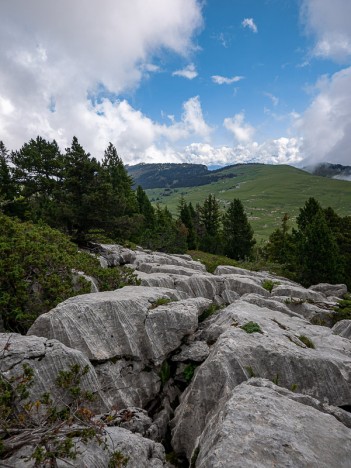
(224, 80)
(330, 22)
(249, 23)
(55, 56)
(279, 151)
(242, 132)
(188, 72)
(326, 124)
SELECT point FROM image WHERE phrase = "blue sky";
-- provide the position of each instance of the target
(212, 82)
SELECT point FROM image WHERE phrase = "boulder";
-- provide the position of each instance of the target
(336, 290)
(47, 358)
(243, 285)
(134, 451)
(164, 259)
(197, 352)
(261, 426)
(169, 269)
(343, 328)
(279, 353)
(104, 325)
(114, 254)
(298, 292)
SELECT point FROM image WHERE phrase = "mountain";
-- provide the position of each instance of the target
(170, 175)
(333, 171)
(266, 191)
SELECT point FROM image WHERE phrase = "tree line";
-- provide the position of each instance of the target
(88, 199)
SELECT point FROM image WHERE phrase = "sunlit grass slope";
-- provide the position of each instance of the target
(266, 191)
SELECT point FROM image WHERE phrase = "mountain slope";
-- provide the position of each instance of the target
(267, 192)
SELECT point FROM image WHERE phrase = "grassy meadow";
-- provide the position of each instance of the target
(266, 191)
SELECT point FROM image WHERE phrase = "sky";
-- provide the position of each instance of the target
(214, 82)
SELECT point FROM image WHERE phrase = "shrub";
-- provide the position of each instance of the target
(342, 310)
(251, 327)
(161, 301)
(188, 372)
(212, 309)
(306, 341)
(36, 264)
(165, 372)
(269, 284)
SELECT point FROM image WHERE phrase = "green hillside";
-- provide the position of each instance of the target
(266, 191)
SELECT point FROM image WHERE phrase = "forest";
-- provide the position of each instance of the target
(53, 203)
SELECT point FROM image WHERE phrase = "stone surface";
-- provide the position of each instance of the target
(197, 352)
(259, 426)
(47, 358)
(298, 292)
(104, 325)
(277, 354)
(343, 328)
(337, 290)
(243, 285)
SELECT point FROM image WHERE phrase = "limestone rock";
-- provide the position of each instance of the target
(337, 290)
(277, 354)
(243, 285)
(343, 328)
(197, 352)
(104, 325)
(47, 358)
(259, 426)
(298, 292)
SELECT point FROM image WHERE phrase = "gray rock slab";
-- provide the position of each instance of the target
(276, 354)
(197, 352)
(298, 292)
(343, 328)
(260, 427)
(104, 325)
(47, 358)
(337, 290)
(243, 285)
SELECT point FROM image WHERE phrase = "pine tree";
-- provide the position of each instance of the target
(237, 232)
(186, 217)
(280, 245)
(210, 219)
(7, 187)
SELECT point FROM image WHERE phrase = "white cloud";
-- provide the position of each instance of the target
(330, 22)
(326, 124)
(188, 72)
(224, 80)
(249, 23)
(242, 132)
(274, 99)
(280, 151)
(61, 52)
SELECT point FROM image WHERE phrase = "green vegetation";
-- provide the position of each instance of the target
(211, 261)
(342, 310)
(50, 426)
(306, 341)
(161, 301)
(118, 460)
(294, 387)
(251, 327)
(269, 284)
(209, 312)
(188, 372)
(250, 372)
(165, 372)
(36, 264)
(267, 193)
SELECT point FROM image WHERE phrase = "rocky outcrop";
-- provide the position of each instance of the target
(47, 358)
(260, 425)
(279, 353)
(154, 357)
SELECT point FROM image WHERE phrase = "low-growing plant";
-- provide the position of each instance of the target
(194, 457)
(161, 301)
(342, 310)
(50, 425)
(188, 372)
(212, 309)
(306, 341)
(275, 379)
(250, 371)
(294, 387)
(165, 372)
(251, 327)
(269, 284)
(118, 460)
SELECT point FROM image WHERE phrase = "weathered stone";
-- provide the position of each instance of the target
(114, 254)
(259, 427)
(277, 354)
(131, 418)
(155, 280)
(104, 325)
(47, 358)
(164, 259)
(343, 328)
(80, 274)
(269, 304)
(337, 290)
(242, 285)
(298, 292)
(201, 286)
(317, 313)
(197, 352)
(229, 296)
(169, 269)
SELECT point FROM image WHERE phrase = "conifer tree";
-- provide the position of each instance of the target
(7, 187)
(237, 232)
(185, 216)
(210, 218)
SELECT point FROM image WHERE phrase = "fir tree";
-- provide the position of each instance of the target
(210, 219)
(237, 232)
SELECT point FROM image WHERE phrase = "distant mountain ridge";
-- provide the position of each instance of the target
(174, 175)
(333, 171)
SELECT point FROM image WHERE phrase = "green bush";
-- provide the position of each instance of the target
(342, 310)
(212, 309)
(269, 284)
(306, 341)
(36, 264)
(188, 372)
(251, 327)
